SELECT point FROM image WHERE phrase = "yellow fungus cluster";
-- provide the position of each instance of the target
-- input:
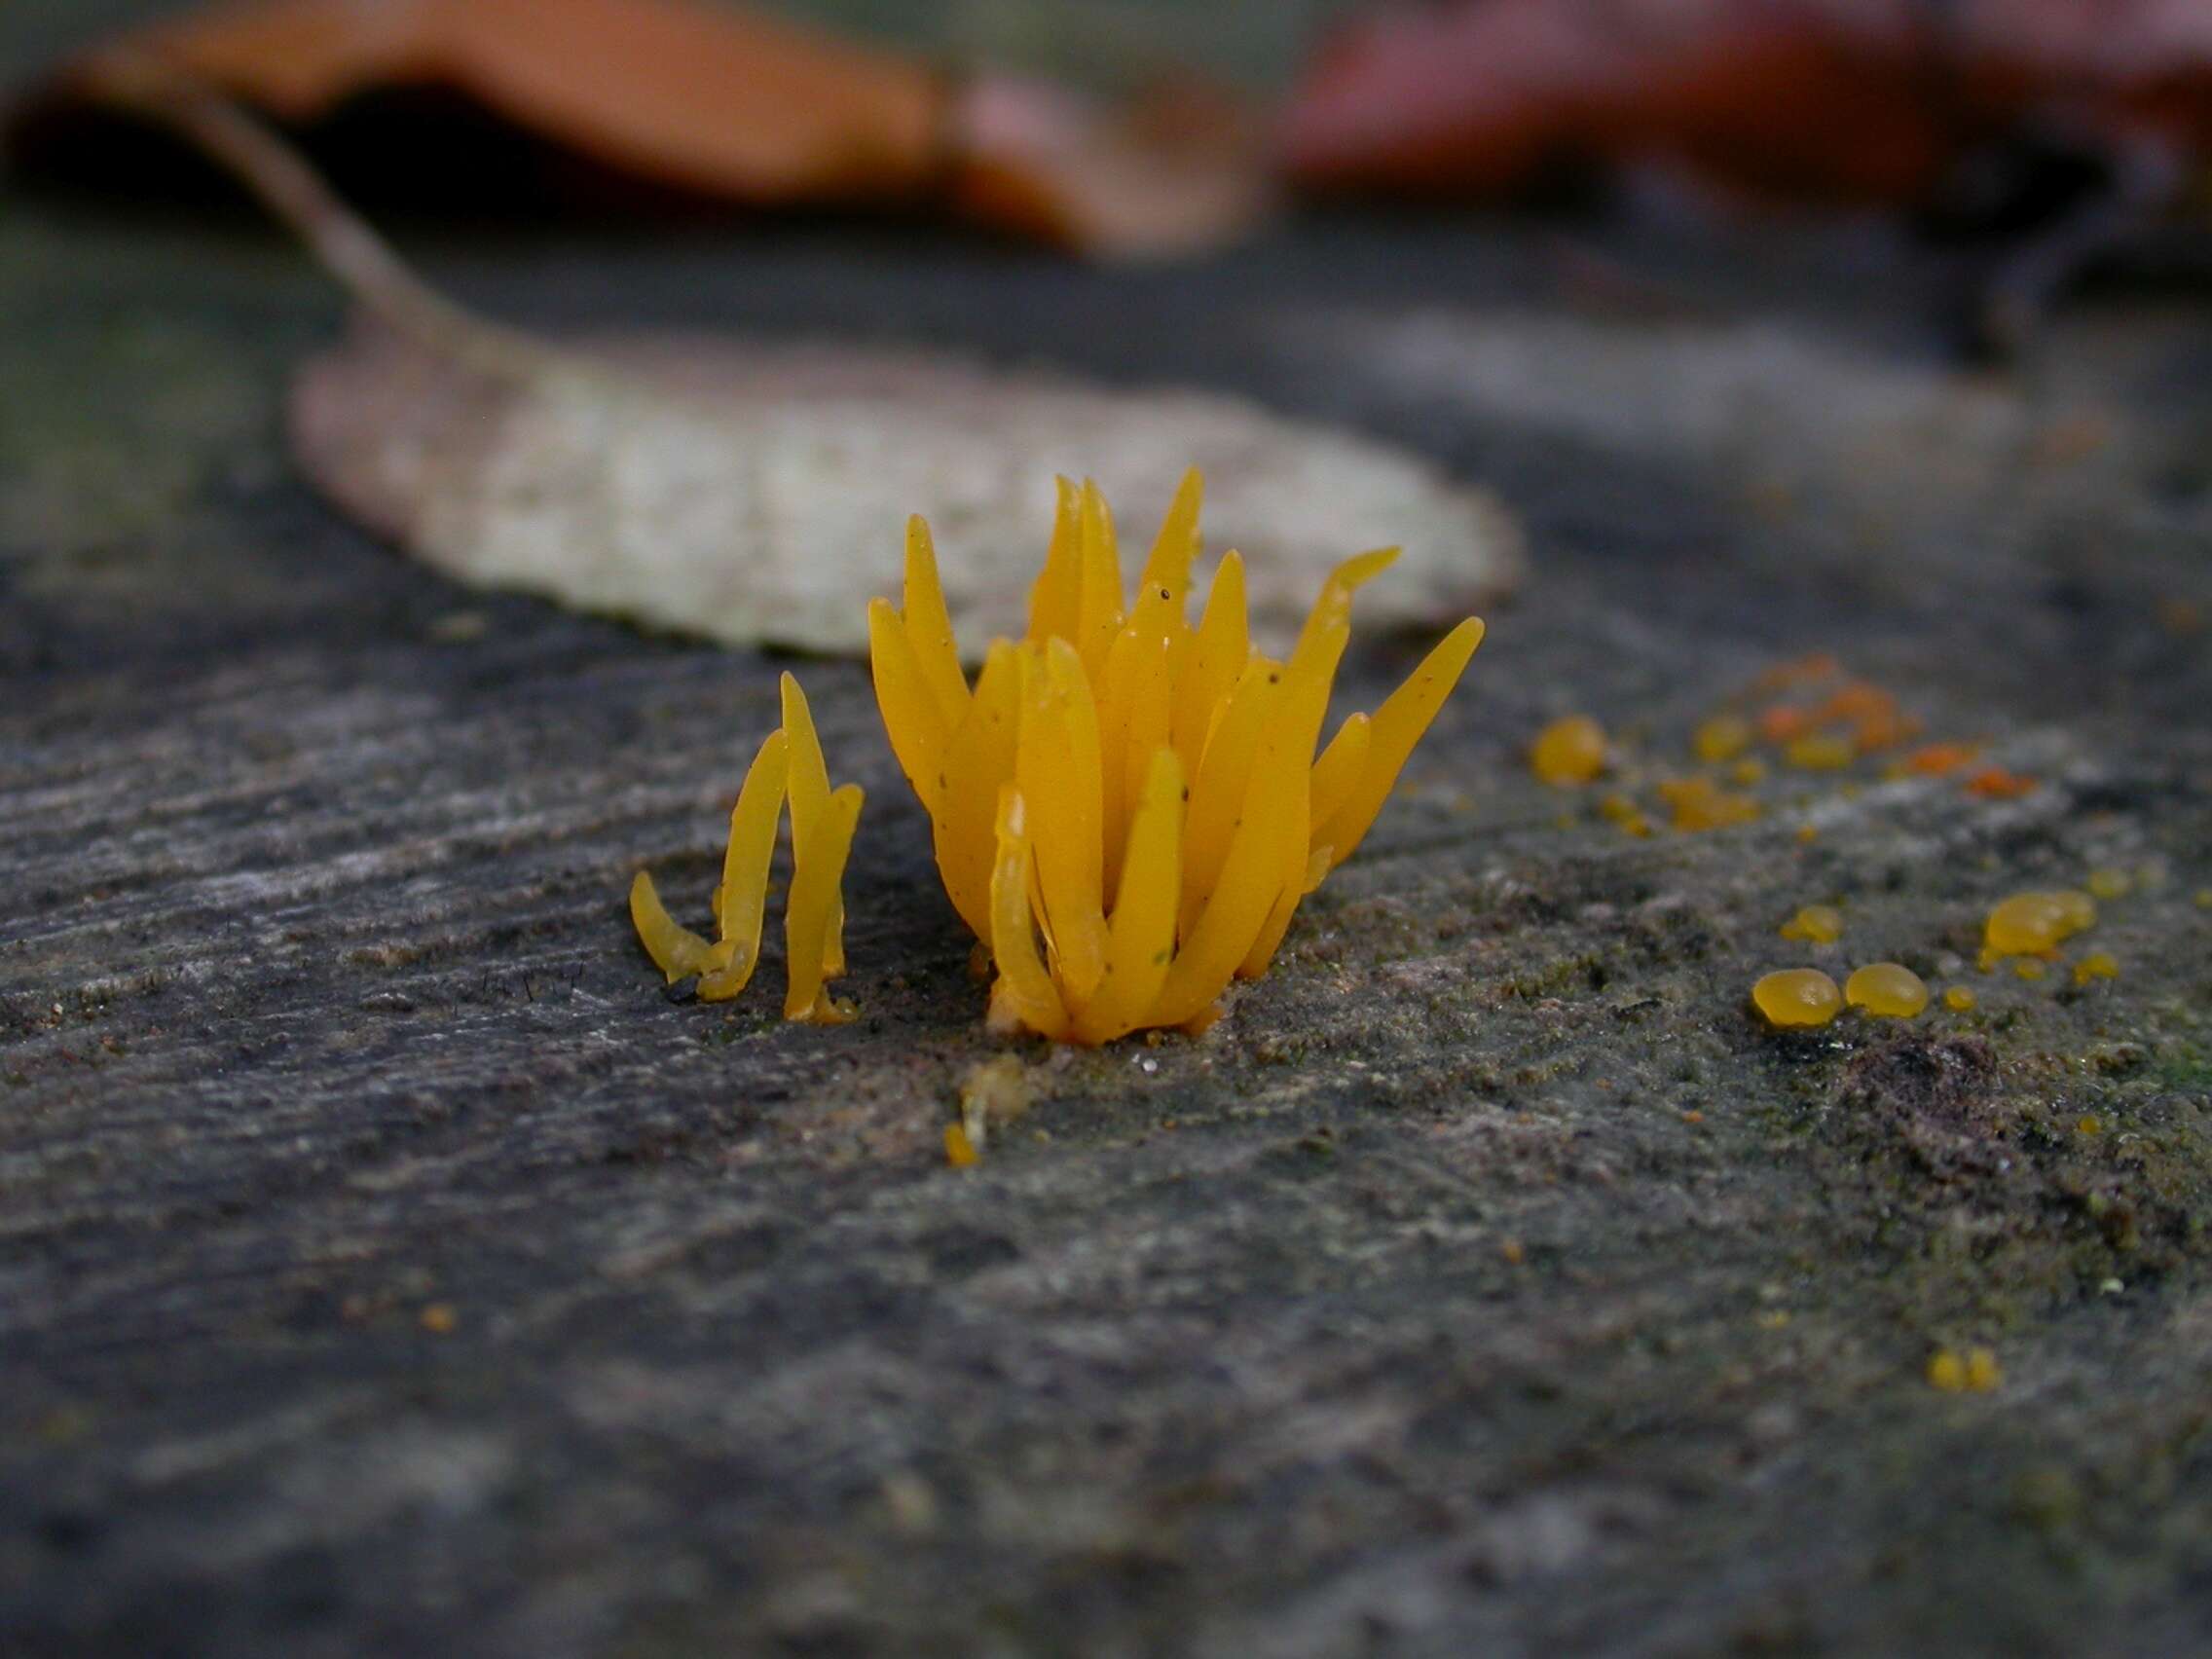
(1887, 989)
(788, 769)
(1126, 807)
(1959, 999)
(1569, 752)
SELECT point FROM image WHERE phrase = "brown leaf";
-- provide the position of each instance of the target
(754, 492)
(720, 103)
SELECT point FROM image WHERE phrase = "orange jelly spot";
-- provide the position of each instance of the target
(1888, 990)
(1797, 997)
(1569, 750)
(1937, 759)
(1995, 783)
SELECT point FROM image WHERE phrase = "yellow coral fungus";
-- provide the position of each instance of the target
(1129, 808)
(789, 766)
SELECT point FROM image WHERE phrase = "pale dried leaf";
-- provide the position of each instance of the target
(757, 493)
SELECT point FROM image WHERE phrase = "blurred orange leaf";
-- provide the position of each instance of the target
(725, 104)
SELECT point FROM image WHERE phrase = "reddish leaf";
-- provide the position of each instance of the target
(1863, 99)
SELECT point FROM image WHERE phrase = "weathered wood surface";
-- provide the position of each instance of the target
(386, 1266)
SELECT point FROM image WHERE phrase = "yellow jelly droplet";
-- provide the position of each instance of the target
(1747, 772)
(2110, 883)
(1888, 989)
(1721, 738)
(1569, 750)
(1819, 751)
(2031, 923)
(2097, 965)
(1817, 924)
(1797, 997)
(1958, 999)
(2028, 968)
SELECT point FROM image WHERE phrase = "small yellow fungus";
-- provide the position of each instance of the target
(788, 767)
(992, 1095)
(1723, 737)
(1959, 999)
(1748, 771)
(1569, 750)
(2034, 923)
(2028, 968)
(959, 1150)
(1808, 831)
(2109, 883)
(1815, 924)
(1819, 751)
(1797, 997)
(1698, 804)
(440, 1319)
(1888, 989)
(2089, 1123)
(1130, 808)
(2203, 899)
(1973, 1371)
(2097, 965)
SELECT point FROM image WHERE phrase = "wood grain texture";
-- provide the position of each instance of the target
(387, 1265)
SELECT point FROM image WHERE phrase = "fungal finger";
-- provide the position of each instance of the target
(1025, 994)
(1398, 727)
(1141, 936)
(910, 715)
(929, 626)
(677, 951)
(818, 867)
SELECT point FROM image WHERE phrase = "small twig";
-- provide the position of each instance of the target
(345, 243)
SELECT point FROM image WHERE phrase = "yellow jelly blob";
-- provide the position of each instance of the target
(1975, 1370)
(1958, 999)
(1721, 738)
(1819, 751)
(2097, 965)
(1797, 997)
(1569, 750)
(2109, 883)
(1888, 989)
(2028, 968)
(2028, 924)
(1815, 924)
